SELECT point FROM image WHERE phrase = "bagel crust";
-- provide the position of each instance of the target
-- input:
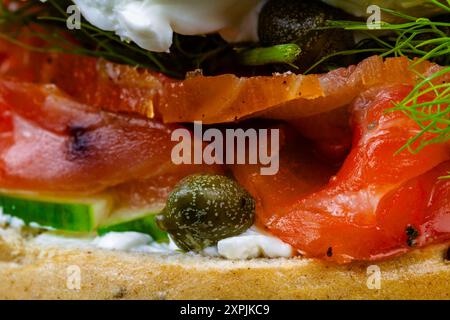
(29, 271)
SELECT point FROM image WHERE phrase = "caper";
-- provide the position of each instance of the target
(302, 22)
(203, 209)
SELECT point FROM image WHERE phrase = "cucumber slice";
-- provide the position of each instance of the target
(141, 221)
(69, 214)
(81, 215)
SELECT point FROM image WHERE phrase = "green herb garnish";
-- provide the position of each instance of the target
(197, 51)
(445, 177)
(282, 53)
(431, 116)
(420, 39)
(417, 37)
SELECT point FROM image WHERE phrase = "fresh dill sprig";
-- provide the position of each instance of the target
(282, 53)
(433, 117)
(416, 37)
(51, 17)
(209, 52)
(420, 39)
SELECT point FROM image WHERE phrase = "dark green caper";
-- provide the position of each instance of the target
(203, 209)
(302, 22)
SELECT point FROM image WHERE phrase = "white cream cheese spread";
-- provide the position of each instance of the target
(251, 244)
(151, 23)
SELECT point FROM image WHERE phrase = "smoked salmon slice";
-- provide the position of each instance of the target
(212, 99)
(226, 98)
(379, 203)
(49, 142)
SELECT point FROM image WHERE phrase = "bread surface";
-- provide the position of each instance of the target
(31, 271)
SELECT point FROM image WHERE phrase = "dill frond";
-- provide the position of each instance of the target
(433, 116)
(51, 16)
(420, 39)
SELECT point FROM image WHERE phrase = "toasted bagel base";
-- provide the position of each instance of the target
(29, 271)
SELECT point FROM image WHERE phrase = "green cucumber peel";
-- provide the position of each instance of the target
(80, 214)
(142, 221)
(68, 214)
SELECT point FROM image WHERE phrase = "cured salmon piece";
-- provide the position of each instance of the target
(109, 86)
(148, 193)
(48, 142)
(91, 81)
(379, 204)
(23, 64)
(222, 98)
(330, 132)
(226, 98)
(301, 172)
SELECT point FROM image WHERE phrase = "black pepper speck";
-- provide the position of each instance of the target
(411, 234)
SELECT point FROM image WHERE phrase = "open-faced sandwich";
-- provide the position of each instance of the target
(250, 149)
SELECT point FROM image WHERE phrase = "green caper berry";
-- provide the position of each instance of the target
(203, 209)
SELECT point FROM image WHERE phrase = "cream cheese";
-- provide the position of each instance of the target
(253, 244)
(151, 23)
(123, 241)
(249, 245)
(10, 221)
